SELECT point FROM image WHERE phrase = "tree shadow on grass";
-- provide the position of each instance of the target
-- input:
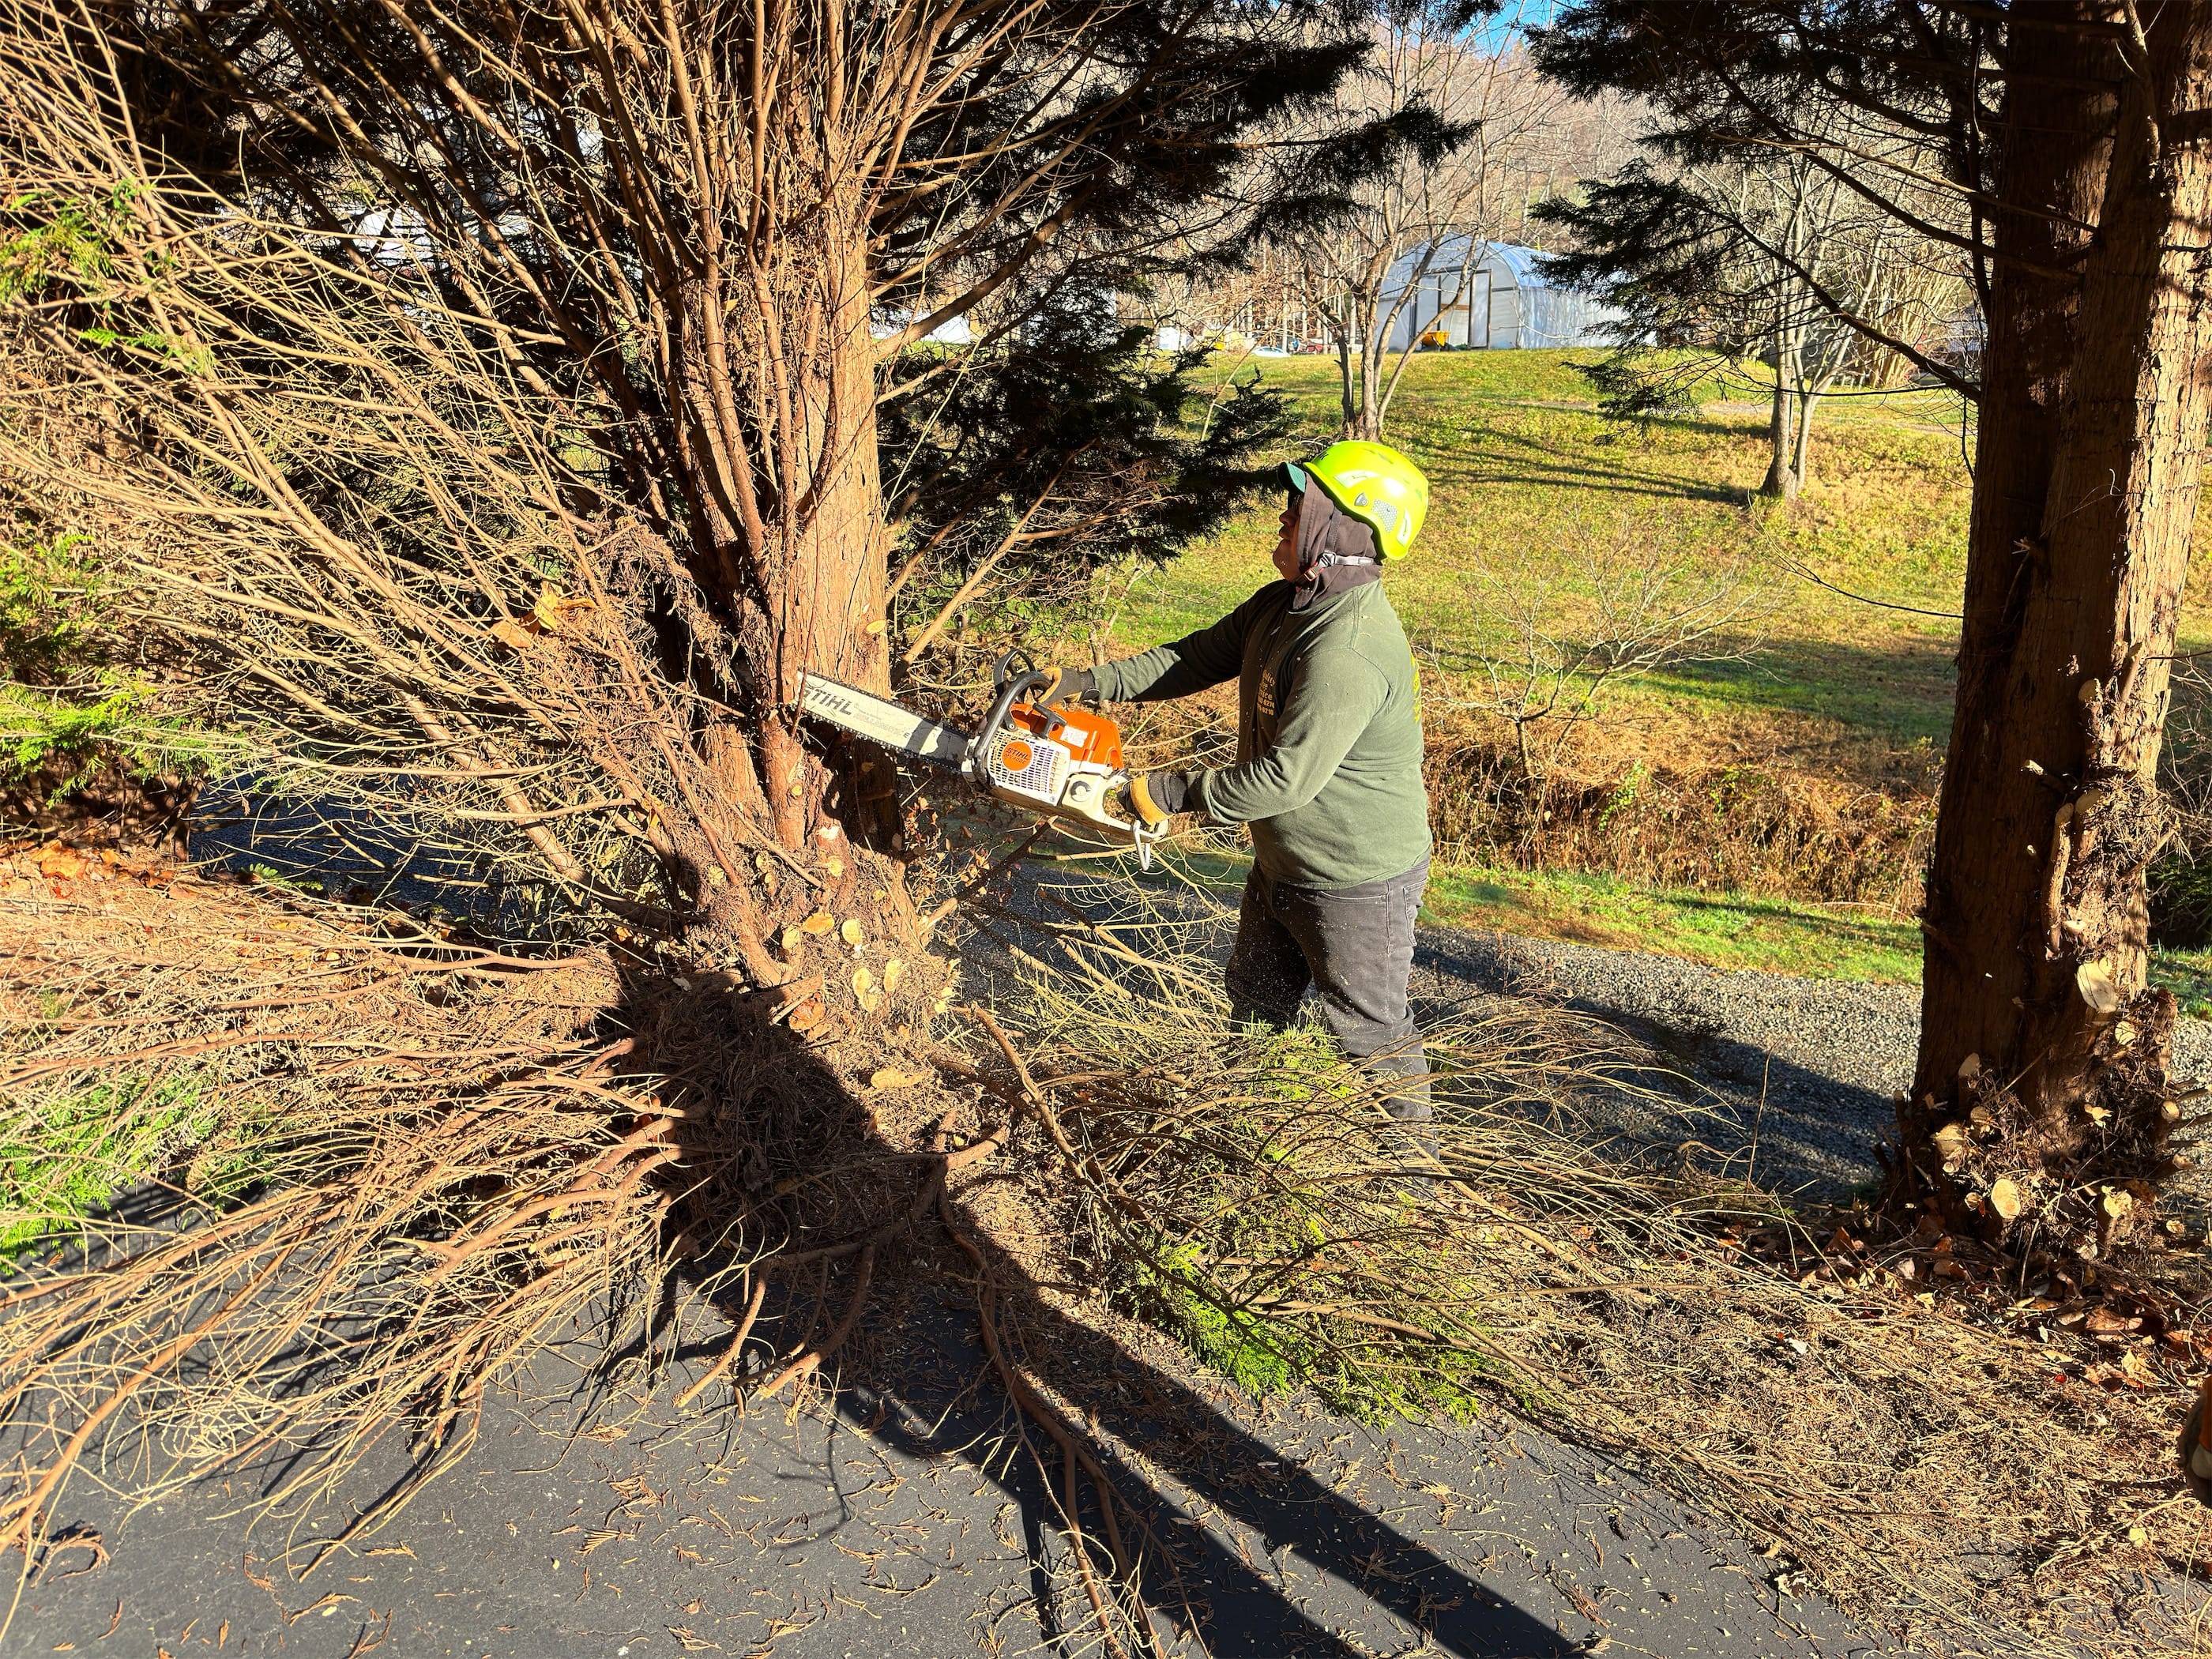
(930, 1390)
(1508, 458)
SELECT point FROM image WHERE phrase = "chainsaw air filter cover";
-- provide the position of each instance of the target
(1027, 765)
(1035, 752)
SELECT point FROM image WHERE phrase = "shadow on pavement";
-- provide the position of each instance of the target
(932, 1393)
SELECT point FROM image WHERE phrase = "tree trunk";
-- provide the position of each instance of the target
(827, 593)
(1780, 482)
(2035, 1023)
(1367, 420)
(1801, 458)
(1343, 381)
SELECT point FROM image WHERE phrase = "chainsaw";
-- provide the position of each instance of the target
(1058, 762)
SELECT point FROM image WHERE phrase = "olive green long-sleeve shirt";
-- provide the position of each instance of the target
(1329, 732)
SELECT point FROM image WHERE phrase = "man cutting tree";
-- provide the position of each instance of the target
(1329, 761)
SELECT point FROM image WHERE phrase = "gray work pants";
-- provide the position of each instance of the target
(1354, 947)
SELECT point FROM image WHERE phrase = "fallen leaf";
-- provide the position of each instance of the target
(2110, 1322)
(806, 1015)
(852, 933)
(894, 971)
(818, 924)
(791, 939)
(892, 1077)
(551, 610)
(513, 634)
(59, 863)
(863, 981)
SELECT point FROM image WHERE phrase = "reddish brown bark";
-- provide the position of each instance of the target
(2091, 431)
(827, 581)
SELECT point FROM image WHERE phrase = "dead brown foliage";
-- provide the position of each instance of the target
(411, 1165)
(1970, 1469)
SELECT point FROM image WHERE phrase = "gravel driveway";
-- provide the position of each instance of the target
(1803, 1069)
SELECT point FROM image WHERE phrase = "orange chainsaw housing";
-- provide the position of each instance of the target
(1085, 735)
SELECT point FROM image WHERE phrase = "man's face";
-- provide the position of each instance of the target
(1286, 542)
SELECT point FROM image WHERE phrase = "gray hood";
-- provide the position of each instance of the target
(1336, 552)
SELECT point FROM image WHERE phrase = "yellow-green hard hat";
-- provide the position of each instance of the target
(1374, 484)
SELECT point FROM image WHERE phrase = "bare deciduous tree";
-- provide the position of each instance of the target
(1456, 177)
(1758, 255)
(1570, 641)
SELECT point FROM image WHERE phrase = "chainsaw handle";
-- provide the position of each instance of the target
(1011, 687)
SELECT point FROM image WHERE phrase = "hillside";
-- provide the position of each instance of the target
(1769, 807)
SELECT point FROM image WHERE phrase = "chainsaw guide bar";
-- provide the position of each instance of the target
(880, 720)
(1058, 763)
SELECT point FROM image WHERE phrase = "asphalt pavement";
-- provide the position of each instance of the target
(903, 1517)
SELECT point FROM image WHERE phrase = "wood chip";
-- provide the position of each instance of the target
(2098, 987)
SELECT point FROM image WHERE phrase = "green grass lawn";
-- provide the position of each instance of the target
(1530, 482)
(1724, 930)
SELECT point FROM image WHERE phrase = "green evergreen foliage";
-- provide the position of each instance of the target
(1072, 449)
(68, 1161)
(67, 707)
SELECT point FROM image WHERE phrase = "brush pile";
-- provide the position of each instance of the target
(1969, 1474)
(378, 1173)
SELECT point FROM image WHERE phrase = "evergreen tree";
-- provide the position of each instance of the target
(597, 267)
(2068, 137)
(1076, 449)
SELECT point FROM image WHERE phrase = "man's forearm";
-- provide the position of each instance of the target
(1180, 667)
(1155, 676)
(1319, 723)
